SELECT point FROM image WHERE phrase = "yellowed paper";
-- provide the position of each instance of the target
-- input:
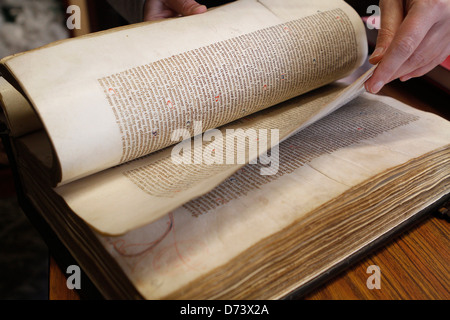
(151, 187)
(94, 85)
(320, 163)
(19, 114)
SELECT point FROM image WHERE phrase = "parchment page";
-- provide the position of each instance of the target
(110, 98)
(20, 116)
(364, 138)
(134, 194)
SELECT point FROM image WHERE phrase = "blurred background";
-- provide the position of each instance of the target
(25, 25)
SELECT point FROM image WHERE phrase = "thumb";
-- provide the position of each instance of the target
(186, 7)
(391, 19)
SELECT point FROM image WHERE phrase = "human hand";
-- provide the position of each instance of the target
(413, 39)
(161, 9)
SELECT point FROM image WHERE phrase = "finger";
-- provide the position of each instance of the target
(423, 70)
(391, 18)
(409, 35)
(434, 48)
(186, 7)
(163, 14)
(157, 10)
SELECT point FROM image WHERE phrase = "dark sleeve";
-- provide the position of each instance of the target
(131, 10)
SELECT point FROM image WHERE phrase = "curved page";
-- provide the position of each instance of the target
(116, 96)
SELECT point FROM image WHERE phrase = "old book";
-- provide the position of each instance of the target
(223, 162)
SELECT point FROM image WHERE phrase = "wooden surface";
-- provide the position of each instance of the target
(414, 265)
(57, 284)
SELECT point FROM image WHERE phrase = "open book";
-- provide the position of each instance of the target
(215, 156)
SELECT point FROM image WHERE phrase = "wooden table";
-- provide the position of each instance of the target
(414, 265)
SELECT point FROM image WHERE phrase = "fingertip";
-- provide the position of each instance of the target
(376, 56)
(374, 60)
(405, 78)
(202, 9)
(155, 16)
(199, 9)
(373, 87)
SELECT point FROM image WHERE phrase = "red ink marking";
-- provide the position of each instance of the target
(170, 104)
(265, 87)
(175, 256)
(123, 248)
(217, 98)
(180, 256)
(112, 91)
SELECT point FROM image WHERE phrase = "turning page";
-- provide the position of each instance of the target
(112, 97)
(149, 188)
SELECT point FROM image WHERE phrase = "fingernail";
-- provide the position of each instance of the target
(198, 7)
(376, 53)
(405, 78)
(377, 87)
